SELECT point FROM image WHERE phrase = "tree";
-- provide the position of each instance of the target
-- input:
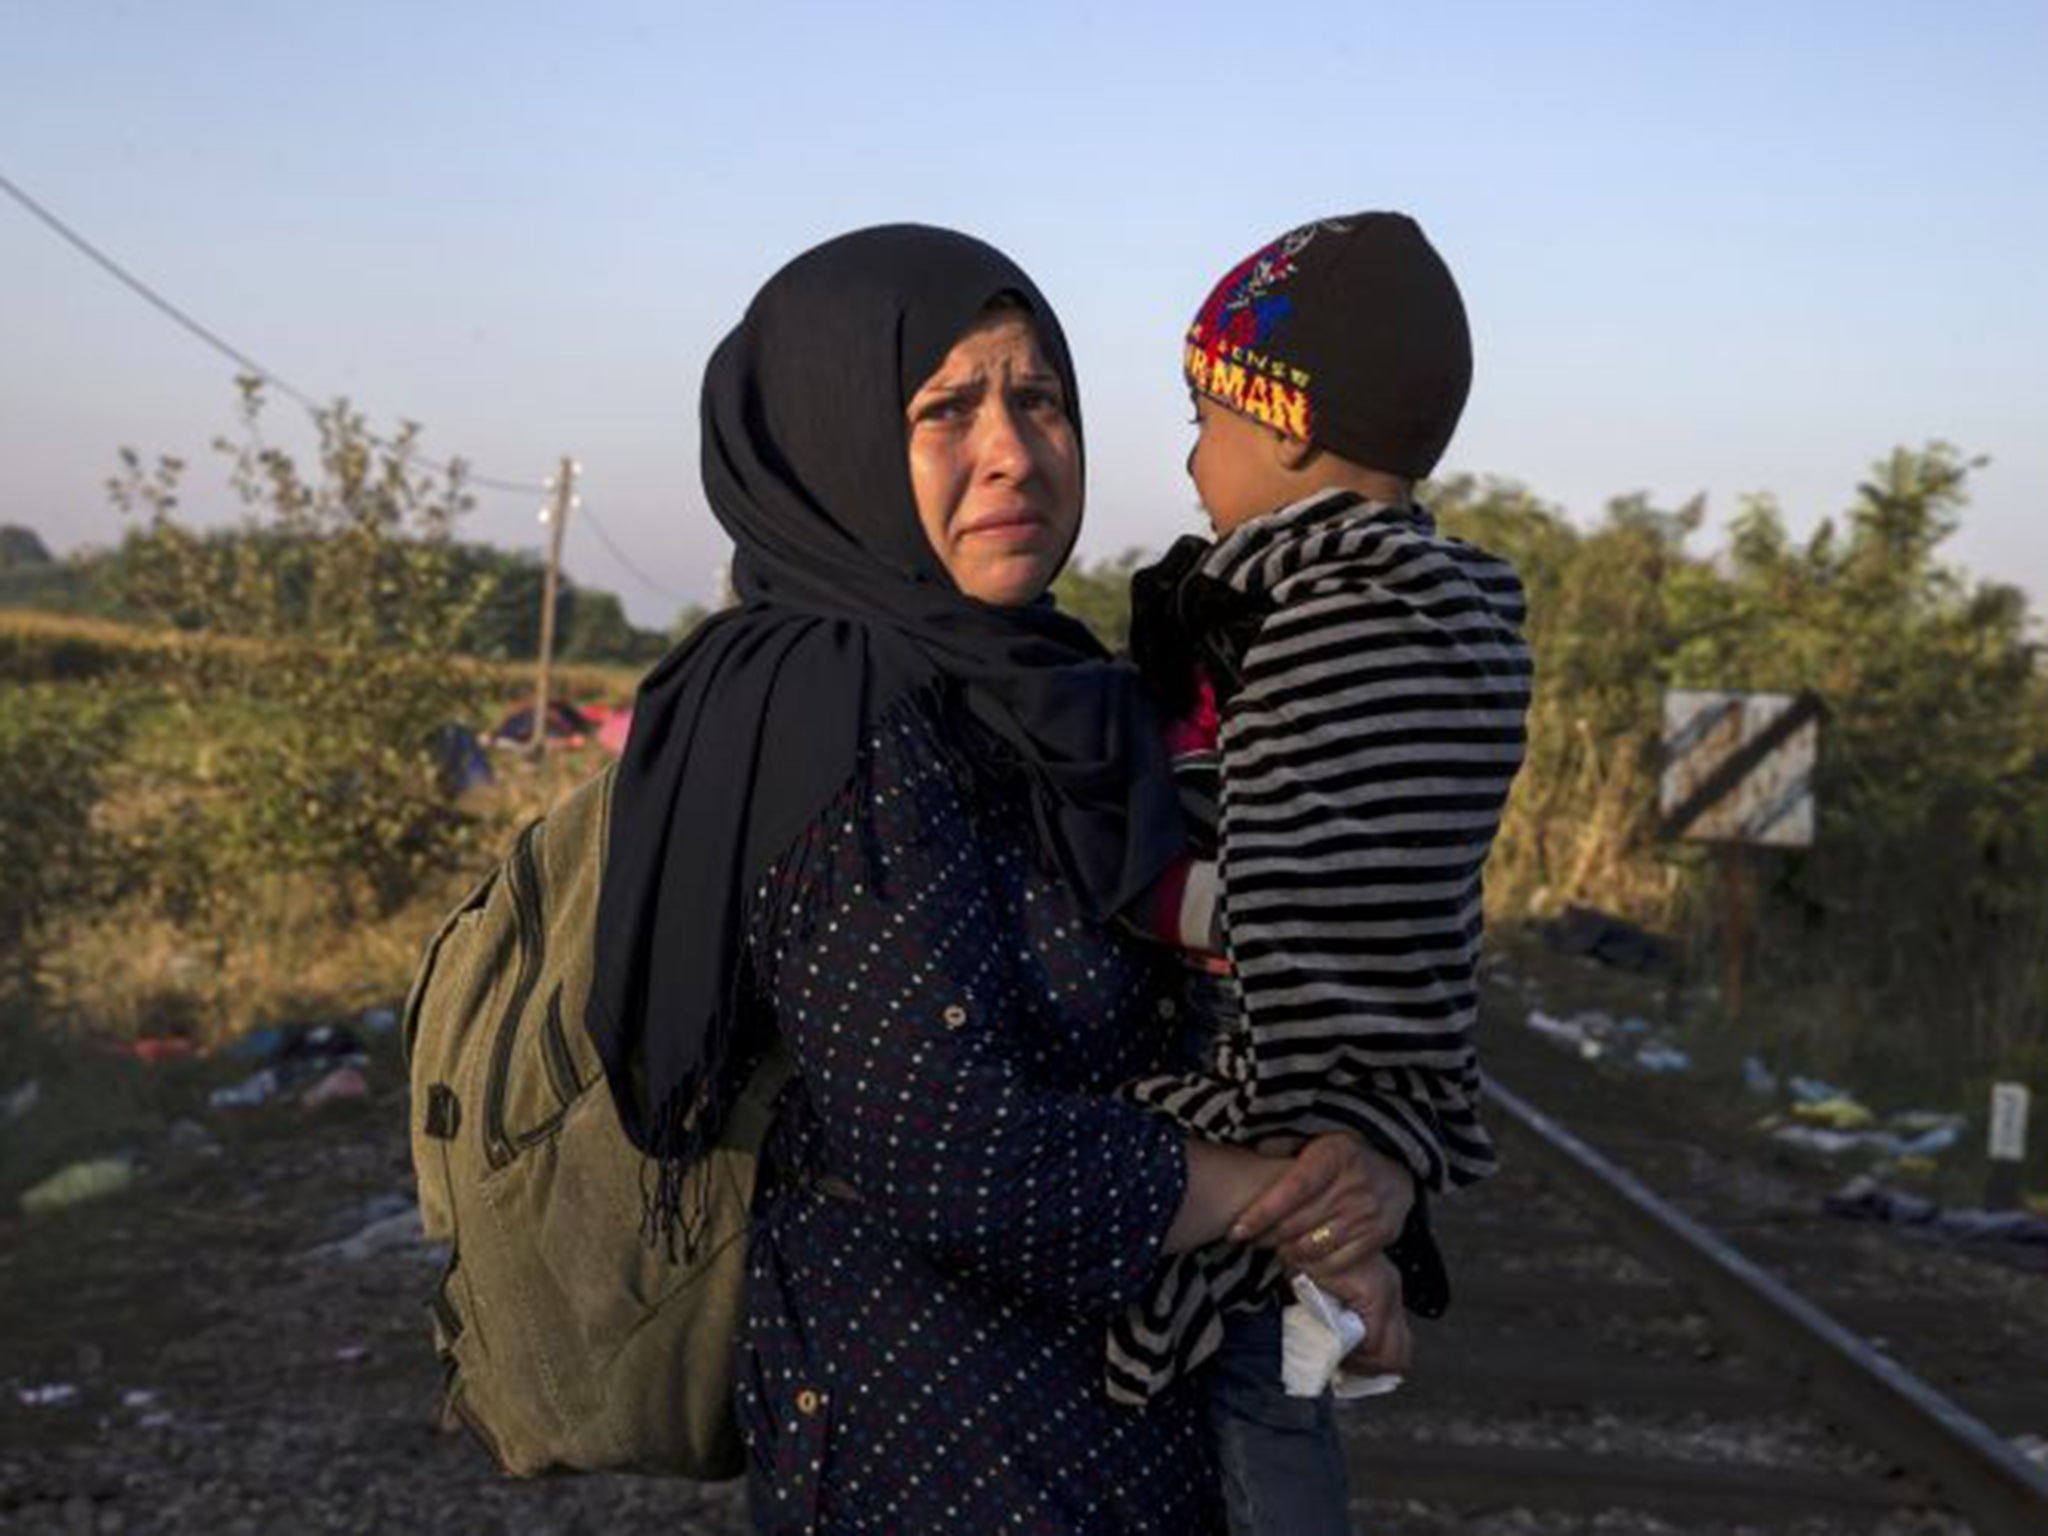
(56, 744)
(1915, 932)
(321, 667)
(686, 621)
(1099, 595)
(21, 546)
(595, 628)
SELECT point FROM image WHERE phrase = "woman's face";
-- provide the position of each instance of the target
(995, 464)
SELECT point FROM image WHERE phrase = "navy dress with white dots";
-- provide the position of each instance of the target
(923, 1346)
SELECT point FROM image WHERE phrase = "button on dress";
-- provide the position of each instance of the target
(923, 1346)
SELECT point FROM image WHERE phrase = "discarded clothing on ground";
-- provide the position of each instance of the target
(89, 1179)
(1610, 940)
(1594, 1036)
(1865, 1199)
(1916, 1133)
(326, 1057)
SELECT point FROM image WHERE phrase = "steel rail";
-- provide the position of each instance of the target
(1860, 1387)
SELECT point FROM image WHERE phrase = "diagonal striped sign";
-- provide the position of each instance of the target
(1738, 767)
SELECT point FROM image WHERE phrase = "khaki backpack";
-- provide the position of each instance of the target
(569, 1343)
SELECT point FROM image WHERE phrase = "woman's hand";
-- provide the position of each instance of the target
(1222, 1184)
(1339, 1204)
(1372, 1289)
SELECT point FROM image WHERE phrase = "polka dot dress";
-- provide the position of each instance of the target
(923, 1347)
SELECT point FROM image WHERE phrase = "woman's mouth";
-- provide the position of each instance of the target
(1015, 527)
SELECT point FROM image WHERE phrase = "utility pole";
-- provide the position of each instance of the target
(557, 519)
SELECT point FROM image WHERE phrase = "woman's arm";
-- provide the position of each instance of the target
(1222, 1183)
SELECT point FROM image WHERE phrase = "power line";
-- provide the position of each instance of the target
(249, 364)
(631, 566)
(226, 349)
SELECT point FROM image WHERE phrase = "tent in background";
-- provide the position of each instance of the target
(566, 724)
(612, 734)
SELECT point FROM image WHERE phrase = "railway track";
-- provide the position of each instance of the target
(1615, 1363)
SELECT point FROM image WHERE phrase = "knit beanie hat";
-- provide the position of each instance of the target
(1347, 333)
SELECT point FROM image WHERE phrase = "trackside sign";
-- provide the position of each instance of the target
(1738, 767)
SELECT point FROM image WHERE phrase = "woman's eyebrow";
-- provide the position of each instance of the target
(968, 385)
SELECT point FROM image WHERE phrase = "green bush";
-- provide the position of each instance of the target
(41, 648)
(321, 652)
(1099, 595)
(55, 748)
(1912, 939)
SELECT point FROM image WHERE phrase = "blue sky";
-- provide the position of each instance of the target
(1717, 248)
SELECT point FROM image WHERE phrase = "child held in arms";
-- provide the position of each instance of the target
(1346, 687)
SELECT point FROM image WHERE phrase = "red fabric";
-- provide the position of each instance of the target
(1162, 910)
(1200, 728)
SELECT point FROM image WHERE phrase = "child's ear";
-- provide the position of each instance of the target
(1291, 453)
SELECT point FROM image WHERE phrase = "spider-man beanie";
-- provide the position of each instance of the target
(1347, 333)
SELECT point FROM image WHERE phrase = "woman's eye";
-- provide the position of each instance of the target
(1039, 400)
(946, 408)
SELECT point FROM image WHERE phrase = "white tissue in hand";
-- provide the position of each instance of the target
(1315, 1336)
(1315, 1333)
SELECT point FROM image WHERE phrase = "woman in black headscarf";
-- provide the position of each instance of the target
(882, 812)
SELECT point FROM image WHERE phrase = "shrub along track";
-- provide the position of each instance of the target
(1595, 1372)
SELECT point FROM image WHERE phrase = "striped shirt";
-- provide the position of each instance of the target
(1366, 756)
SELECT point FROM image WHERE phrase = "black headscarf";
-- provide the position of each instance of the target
(744, 733)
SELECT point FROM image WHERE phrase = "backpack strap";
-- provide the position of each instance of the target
(753, 1112)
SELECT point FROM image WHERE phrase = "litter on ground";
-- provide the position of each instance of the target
(1827, 1118)
(1866, 1199)
(1836, 1122)
(1840, 1113)
(1564, 1031)
(190, 1136)
(383, 1230)
(341, 1083)
(1663, 1058)
(89, 1179)
(300, 1051)
(1594, 1035)
(255, 1045)
(155, 1048)
(259, 1088)
(18, 1102)
(1811, 1090)
(1816, 1139)
(1611, 940)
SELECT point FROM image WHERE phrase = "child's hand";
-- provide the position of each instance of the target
(1372, 1289)
(1339, 1204)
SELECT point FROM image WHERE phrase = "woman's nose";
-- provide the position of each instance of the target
(1005, 446)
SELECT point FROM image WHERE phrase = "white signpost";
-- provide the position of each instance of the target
(1738, 771)
(2008, 1148)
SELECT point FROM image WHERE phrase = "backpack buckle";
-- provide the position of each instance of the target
(444, 1112)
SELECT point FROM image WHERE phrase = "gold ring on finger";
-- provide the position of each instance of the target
(1323, 1238)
